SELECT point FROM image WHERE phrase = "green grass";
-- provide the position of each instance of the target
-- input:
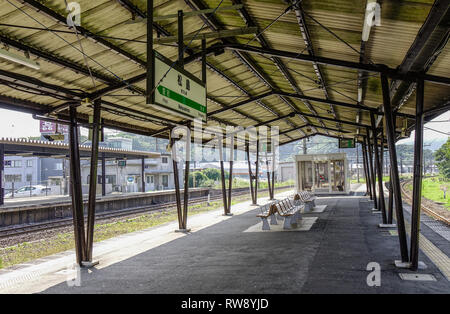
(27, 251)
(431, 189)
(361, 180)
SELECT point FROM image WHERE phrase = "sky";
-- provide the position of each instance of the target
(17, 124)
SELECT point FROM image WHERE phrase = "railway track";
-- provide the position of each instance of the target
(426, 209)
(65, 222)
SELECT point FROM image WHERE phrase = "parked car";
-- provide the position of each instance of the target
(33, 190)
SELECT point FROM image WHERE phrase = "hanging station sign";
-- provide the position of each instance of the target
(179, 92)
(346, 143)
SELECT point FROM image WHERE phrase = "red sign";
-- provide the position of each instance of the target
(47, 127)
(52, 128)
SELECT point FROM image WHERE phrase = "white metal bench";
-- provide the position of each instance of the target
(266, 212)
(308, 199)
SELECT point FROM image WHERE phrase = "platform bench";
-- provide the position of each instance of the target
(308, 199)
(289, 212)
(266, 212)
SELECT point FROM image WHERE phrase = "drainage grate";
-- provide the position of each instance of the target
(417, 277)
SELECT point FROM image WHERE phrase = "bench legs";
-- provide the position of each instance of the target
(298, 215)
(273, 220)
(287, 223)
(265, 225)
(294, 222)
(308, 207)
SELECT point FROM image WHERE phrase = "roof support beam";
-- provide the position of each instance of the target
(431, 38)
(377, 68)
(135, 11)
(316, 126)
(41, 8)
(306, 37)
(35, 84)
(88, 34)
(26, 106)
(215, 25)
(297, 96)
(290, 115)
(279, 63)
(53, 59)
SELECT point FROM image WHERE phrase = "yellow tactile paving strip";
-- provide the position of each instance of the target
(438, 257)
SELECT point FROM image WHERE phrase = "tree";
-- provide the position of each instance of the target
(212, 173)
(428, 160)
(200, 179)
(442, 156)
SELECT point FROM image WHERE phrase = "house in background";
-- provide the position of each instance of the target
(21, 171)
(125, 175)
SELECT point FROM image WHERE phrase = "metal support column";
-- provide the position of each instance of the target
(273, 173)
(75, 182)
(2, 170)
(378, 167)
(257, 172)
(366, 173)
(390, 201)
(417, 180)
(222, 179)
(357, 162)
(268, 177)
(186, 177)
(93, 180)
(366, 169)
(204, 61)
(230, 175)
(250, 175)
(390, 133)
(372, 170)
(103, 175)
(150, 82)
(176, 179)
(180, 39)
(143, 174)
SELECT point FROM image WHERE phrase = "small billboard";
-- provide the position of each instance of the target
(46, 127)
(346, 143)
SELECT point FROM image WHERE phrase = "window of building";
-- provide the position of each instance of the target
(29, 163)
(59, 166)
(150, 179)
(16, 163)
(164, 160)
(165, 180)
(13, 178)
(111, 179)
(8, 164)
(29, 177)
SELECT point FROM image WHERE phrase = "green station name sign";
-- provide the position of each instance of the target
(179, 92)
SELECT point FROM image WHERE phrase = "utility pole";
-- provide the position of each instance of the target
(304, 147)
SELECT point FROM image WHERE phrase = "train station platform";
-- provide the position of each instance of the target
(222, 255)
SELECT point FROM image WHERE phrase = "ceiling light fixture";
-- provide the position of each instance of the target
(5, 54)
(371, 18)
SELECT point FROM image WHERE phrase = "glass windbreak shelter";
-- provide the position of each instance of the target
(322, 173)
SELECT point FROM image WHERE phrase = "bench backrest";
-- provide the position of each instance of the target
(285, 205)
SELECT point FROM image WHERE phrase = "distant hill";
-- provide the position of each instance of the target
(433, 145)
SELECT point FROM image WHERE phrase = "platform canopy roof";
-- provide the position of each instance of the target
(302, 65)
